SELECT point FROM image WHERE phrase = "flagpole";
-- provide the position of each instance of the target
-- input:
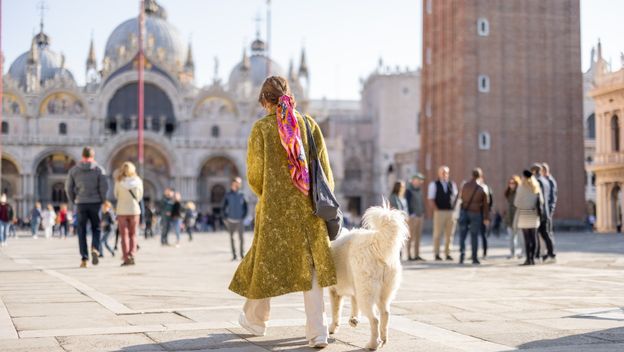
(1, 93)
(141, 64)
(268, 43)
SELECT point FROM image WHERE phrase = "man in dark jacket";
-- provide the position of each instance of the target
(166, 206)
(416, 210)
(86, 187)
(545, 215)
(234, 213)
(551, 199)
(475, 211)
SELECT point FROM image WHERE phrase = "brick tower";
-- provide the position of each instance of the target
(502, 88)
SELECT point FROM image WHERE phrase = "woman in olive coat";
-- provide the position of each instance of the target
(291, 249)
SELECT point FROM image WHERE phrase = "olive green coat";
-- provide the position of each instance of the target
(289, 240)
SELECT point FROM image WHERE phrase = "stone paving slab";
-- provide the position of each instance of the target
(176, 299)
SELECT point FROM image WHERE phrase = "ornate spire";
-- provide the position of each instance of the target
(152, 8)
(41, 38)
(190, 63)
(303, 65)
(33, 53)
(291, 71)
(91, 60)
(599, 49)
(246, 62)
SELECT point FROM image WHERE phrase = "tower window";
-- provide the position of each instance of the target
(62, 128)
(215, 132)
(484, 83)
(428, 110)
(484, 141)
(615, 133)
(5, 127)
(429, 6)
(428, 56)
(483, 27)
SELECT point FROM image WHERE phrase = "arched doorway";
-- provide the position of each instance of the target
(214, 181)
(11, 183)
(616, 207)
(157, 169)
(50, 178)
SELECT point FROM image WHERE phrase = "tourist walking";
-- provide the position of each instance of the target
(397, 197)
(484, 229)
(190, 216)
(166, 204)
(442, 195)
(512, 232)
(235, 211)
(552, 204)
(278, 263)
(176, 216)
(416, 210)
(128, 192)
(149, 220)
(48, 221)
(63, 222)
(546, 219)
(474, 212)
(108, 223)
(86, 187)
(35, 219)
(529, 204)
(6, 216)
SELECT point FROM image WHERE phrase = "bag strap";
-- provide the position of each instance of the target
(471, 198)
(312, 145)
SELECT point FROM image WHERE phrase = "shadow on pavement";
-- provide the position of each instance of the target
(229, 342)
(603, 337)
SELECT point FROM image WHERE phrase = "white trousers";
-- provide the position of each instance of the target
(257, 311)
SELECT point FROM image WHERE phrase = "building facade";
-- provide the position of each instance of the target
(608, 165)
(501, 89)
(195, 137)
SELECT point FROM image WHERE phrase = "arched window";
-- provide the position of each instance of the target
(5, 127)
(215, 132)
(484, 141)
(62, 128)
(484, 83)
(590, 126)
(483, 27)
(615, 133)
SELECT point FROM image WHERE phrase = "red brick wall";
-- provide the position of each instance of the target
(533, 111)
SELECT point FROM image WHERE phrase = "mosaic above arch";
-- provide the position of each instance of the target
(215, 107)
(12, 105)
(61, 103)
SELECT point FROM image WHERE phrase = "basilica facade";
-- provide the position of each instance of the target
(195, 137)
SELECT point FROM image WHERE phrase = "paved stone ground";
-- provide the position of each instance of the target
(176, 299)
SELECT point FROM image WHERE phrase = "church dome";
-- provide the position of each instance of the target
(254, 68)
(51, 62)
(160, 35)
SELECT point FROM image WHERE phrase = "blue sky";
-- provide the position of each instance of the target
(343, 39)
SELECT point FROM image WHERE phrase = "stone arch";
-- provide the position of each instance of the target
(121, 141)
(215, 175)
(62, 102)
(113, 85)
(12, 181)
(158, 166)
(51, 169)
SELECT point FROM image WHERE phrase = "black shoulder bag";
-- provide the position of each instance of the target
(324, 202)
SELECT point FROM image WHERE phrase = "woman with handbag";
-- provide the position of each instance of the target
(128, 191)
(528, 202)
(290, 250)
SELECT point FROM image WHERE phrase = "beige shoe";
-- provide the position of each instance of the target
(83, 263)
(318, 342)
(254, 330)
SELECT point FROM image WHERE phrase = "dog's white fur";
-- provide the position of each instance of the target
(368, 268)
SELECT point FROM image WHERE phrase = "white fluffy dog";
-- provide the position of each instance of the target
(368, 267)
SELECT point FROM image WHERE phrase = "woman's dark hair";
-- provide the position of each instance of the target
(273, 88)
(396, 189)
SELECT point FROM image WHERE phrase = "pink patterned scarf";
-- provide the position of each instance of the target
(290, 137)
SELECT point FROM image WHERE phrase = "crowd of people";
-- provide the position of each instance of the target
(530, 205)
